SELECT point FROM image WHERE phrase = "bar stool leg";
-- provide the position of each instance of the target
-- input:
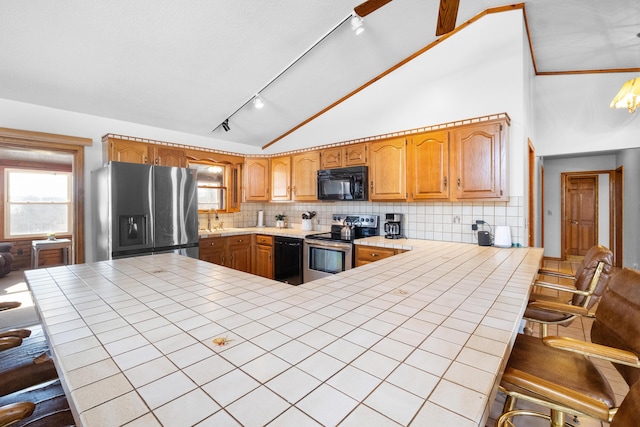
(557, 418)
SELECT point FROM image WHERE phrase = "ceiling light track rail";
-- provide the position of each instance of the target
(225, 123)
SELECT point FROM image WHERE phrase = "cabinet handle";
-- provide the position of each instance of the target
(294, 189)
(445, 182)
(374, 255)
(459, 184)
(372, 186)
(222, 259)
(239, 240)
(212, 244)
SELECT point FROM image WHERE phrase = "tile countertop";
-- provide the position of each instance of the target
(272, 231)
(417, 339)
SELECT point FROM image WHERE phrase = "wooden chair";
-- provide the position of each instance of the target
(628, 414)
(558, 373)
(589, 282)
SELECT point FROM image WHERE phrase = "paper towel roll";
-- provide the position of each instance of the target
(260, 218)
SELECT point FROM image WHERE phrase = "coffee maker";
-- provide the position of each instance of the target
(393, 226)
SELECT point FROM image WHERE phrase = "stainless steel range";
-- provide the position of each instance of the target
(325, 254)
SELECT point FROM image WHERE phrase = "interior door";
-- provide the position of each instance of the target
(581, 219)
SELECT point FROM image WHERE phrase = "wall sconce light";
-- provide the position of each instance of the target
(628, 97)
(225, 125)
(257, 101)
(357, 24)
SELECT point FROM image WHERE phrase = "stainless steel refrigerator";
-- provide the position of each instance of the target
(143, 210)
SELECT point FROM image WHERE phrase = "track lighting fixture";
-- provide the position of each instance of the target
(357, 24)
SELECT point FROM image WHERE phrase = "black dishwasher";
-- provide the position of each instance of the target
(288, 260)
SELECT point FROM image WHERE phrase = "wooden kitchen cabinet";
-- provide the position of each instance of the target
(257, 178)
(305, 176)
(168, 156)
(234, 184)
(355, 154)
(479, 162)
(213, 250)
(264, 256)
(239, 252)
(428, 166)
(123, 150)
(281, 179)
(344, 156)
(367, 254)
(233, 251)
(388, 170)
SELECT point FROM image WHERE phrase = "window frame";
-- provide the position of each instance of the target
(69, 203)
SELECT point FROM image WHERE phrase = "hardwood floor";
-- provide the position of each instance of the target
(579, 329)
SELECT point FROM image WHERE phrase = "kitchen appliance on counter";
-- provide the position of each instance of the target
(344, 184)
(288, 260)
(144, 209)
(329, 253)
(393, 226)
(502, 238)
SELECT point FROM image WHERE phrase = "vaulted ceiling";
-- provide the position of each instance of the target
(188, 66)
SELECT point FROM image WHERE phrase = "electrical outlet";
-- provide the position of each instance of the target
(474, 227)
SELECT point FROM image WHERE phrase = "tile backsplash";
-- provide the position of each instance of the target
(443, 221)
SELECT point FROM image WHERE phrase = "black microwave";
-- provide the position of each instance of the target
(343, 184)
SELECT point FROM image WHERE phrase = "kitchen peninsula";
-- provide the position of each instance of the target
(420, 338)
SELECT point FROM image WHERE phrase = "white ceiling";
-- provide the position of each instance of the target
(187, 66)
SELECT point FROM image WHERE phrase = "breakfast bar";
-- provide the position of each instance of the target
(420, 338)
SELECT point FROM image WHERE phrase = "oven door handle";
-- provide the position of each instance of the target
(328, 245)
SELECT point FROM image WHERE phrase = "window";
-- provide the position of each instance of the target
(37, 203)
(212, 191)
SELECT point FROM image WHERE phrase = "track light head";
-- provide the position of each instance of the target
(357, 24)
(225, 125)
(258, 102)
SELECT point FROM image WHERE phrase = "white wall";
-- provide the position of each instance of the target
(630, 161)
(572, 114)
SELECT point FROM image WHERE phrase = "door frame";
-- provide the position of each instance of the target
(28, 140)
(563, 231)
(617, 206)
(532, 188)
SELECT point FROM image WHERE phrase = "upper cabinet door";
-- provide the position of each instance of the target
(480, 162)
(387, 171)
(256, 177)
(305, 176)
(355, 155)
(128, 151)
(281, 178)
(331, 158)
(428, 166)
(167, 156)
